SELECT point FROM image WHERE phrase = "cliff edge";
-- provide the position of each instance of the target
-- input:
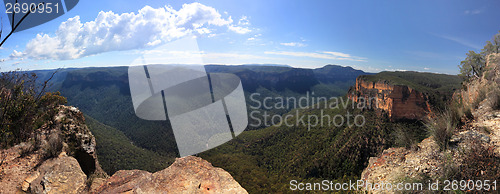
(397, 101)
(473, 147)
(61, 158)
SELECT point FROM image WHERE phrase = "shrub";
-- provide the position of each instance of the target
(26, 149)
(404, 139)
(441, 128)
(468, 113)
(449, 169)
(480, 97)
(408, 135)
(54, 145)
(460, 112)
(494, 99)
(479, 162)
(24, 106)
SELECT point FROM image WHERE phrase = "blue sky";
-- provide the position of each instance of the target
(369, 35)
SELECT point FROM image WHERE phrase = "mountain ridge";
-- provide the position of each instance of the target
(405, 95)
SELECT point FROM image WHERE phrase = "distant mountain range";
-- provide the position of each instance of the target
(103, 94)
(261, 159)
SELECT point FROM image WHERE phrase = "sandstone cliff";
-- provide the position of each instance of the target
(474, 149)
(397, 101)
(62, 159)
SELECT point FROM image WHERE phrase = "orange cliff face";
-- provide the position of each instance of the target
(399, 102)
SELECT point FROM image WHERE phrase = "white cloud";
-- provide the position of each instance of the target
(239, 29)
(232, 56)
(395, 70)
(293, 44)
(473, 12)
(16, 54)
(242, 27)
(319, 55)
(117, 32)
(244, 21)
(338, 54)
(460, 41)
(194, 57)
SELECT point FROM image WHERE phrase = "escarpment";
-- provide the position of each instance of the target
(397, 101)
(472, 145)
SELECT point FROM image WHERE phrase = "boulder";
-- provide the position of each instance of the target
(186, 175)
(58, 175)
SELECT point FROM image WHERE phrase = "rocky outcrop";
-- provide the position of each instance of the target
(58, 175)
(36, 167)
(477, 90)
(397, 164)
(426, 161)
(397, 101)
(186, 175)
(475, 145)
(80, 142)
(76, 169)
(15, 169)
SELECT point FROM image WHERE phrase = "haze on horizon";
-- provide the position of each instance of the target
(368, 35)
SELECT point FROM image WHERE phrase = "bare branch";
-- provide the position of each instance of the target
(13, 17)
(45, 83)
(32, 9)
(1, 27)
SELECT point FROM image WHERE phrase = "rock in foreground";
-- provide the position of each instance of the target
(58, 175)
(27, 168)
(186, 175)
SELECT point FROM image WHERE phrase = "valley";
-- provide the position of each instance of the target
(335, 143)
(250, 97)
(103, 95)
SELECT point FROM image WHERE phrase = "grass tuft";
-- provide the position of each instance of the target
(441, 128)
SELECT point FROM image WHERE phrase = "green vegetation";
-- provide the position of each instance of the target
(262, 160)
(54, 145)
(24, 106)
(492, 46)
(441, 127)
(103, 94)
(474, 64)
(494, 99)
(408, 134)
(265, 160)
(116, 152)
(479, 162)
(480, 97)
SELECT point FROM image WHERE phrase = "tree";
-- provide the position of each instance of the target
(473, 66)
(24, 106)
(492, 46)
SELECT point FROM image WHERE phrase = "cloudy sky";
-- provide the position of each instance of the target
(370, 35)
